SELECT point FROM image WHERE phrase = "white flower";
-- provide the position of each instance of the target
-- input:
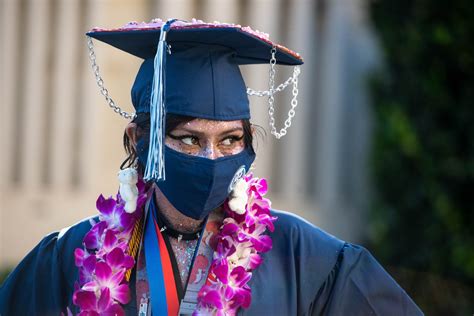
(241, 256)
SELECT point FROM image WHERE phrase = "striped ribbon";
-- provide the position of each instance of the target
(164, 295)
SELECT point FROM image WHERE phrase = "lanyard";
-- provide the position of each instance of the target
(202, 260)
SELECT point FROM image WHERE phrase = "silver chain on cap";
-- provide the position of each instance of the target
(100, 83)
(271, 96)
(270, 93)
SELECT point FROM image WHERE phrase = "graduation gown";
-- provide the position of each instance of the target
(308, 272)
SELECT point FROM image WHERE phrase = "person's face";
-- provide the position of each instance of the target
(207, 138)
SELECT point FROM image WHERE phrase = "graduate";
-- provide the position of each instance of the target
(190, 231)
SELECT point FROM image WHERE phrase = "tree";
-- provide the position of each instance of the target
(423, 155)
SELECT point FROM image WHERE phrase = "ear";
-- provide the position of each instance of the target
(131, 131)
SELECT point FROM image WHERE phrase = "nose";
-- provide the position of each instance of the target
(211, 152)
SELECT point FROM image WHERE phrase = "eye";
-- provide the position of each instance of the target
(189, 140)
(227, 142)
(230, 140)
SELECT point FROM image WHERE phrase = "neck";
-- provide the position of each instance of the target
(175, 218)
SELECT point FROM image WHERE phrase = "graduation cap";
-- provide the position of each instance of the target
(192, 68)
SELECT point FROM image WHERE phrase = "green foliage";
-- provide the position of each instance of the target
(423, 155)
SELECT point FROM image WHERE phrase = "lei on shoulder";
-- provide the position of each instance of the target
(240, 240)
(105, 260)
(107, 256)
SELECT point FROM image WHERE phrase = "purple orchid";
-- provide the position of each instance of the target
(105, 278)
(111, 241)
(80, 255)
(113, 213)
(117, 260)
(91, 305)
(93, 238)
(102, 263)
(242, 233)
(211, 296)
(213, 302)
(241, 238)
(86, 273)
(236, 281)
(254, 234)
(246, 256)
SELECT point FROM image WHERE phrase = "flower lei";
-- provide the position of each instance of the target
(103, 261)
(240, 240)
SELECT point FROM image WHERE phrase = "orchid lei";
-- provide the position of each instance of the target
(240, 240)
(104, 258)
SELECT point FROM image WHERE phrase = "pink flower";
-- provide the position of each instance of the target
(110, 241)
(79, 256)
(240, 239)
(245, 256)
(113, 213)
(102, 263)
(105, 279)
(92, 305)
(117, 260)
(86, 273)
(242, 233)
(220, 266)
(211, 297)
(93, 238)
(236, 285)
(261, 243)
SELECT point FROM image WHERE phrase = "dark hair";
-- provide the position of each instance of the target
(172, 121)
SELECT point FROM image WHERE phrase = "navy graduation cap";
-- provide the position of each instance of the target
(192, 68)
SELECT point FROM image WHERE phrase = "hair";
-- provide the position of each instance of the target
(172, 121)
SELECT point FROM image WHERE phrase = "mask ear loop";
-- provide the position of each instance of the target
(271, 96)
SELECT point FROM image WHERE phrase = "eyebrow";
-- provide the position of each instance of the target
(198, 133)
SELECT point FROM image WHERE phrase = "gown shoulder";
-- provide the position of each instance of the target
(310, 271)
(320, 274)
(43, 282)
(359, 285)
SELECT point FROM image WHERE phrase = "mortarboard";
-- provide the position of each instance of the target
(192, 68)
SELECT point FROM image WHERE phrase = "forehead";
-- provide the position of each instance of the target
(205, 125)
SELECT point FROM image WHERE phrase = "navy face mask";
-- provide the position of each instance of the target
(195, 185)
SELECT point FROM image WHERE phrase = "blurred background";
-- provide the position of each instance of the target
(380, 153)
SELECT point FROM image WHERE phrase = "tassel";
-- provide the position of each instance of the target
(155, 166)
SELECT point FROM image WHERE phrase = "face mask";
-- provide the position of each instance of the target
(195, 185)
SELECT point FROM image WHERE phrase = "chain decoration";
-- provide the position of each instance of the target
(100, 83)
(271, 96)
(260, 93)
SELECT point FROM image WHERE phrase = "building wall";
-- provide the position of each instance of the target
(62, 144)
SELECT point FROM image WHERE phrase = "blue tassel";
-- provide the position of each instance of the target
(155, 166)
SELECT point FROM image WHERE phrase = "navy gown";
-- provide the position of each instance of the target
(308, 272)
